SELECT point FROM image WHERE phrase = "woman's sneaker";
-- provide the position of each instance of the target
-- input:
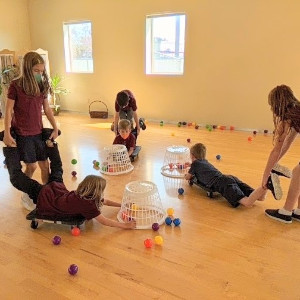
(295, 217)
(282, 171)
(274, 214)
(142, 123)
(27, 202)
(273, 185)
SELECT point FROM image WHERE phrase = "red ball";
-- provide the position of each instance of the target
(188, 140)
(75, 231)
(74, 173)
(250, 138)
(148, 243)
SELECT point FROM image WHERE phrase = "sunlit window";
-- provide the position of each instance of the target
(78, 47)
(165, 38)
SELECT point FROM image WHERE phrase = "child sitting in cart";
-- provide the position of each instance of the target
(53, 199)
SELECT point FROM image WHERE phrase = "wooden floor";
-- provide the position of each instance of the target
(217, 253)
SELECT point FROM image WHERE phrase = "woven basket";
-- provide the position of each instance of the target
(98, 114)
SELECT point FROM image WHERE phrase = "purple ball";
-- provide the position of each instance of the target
(73, 269)
(155, 226)
(56, 240)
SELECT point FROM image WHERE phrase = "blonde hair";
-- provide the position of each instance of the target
(285, 108)
(124, 124)
(198, 150)
(27, 80)
(92, 188)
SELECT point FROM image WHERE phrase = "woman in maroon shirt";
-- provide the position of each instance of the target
(53, 199)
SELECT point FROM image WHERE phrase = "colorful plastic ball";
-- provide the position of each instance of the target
(97, 164)
(177, 221)
(188, 140)
(158, 240)
(218, 157)
(172, 134)
(209, 128)
(161, 123)
(168, 220)
(56, 240)
(148, 243)
(171, 166)
(134, 207)
(250, 138)
(75, 231)
(74, 161)
(266, 131)
(180, 191)
(170, 211)
(215, 126)
(155, 226)
(231, 127)
(197, 127)
(179, 124)
(184, 123)
(254, 132)
(73, 269)
(74, 173)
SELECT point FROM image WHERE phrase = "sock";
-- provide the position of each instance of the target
(285, 212)
(297, 211)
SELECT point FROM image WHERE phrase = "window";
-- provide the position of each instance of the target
(78, 47)
(165, 36)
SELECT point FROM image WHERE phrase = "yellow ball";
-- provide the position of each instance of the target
(170, 211)
(158, 240)
(172, 134)
(134, 207)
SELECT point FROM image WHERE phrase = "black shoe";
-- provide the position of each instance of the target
(296, 217)
(282, 171)
(274, 214)
(142, 123)
(273, 185)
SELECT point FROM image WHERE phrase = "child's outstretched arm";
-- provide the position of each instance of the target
(108, 222)
(111, 203)
(130, 151)
(188, 176)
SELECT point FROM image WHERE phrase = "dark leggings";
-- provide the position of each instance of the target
(21, 181)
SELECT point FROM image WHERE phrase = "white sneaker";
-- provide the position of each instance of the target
(27, 202)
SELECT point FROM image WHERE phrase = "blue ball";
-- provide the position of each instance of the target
(180, 191)
(168, 220)
(177, 222)
(218, 157)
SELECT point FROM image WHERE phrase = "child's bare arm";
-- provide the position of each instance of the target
(108, 222)
(111, 203)
(188, 176)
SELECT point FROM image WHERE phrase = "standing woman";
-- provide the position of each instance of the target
(286, 116)
(27, 96)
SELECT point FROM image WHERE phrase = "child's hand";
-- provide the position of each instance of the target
(187, 176)
(9, 141)
(54, 134)
(130, 225)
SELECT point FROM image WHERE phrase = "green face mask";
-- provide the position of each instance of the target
(38, 78)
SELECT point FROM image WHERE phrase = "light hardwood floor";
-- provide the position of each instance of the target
(217, 253)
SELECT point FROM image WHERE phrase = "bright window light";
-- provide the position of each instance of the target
(78, 47)
(165, 38)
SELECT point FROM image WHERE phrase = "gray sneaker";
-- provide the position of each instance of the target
(27, 202)
(273, 185)
(282, 171)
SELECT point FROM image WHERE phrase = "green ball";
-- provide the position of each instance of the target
(97, 164)
(74, 161)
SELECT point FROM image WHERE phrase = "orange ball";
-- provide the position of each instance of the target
(75, 231)
(148, 243)
(250, 138)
